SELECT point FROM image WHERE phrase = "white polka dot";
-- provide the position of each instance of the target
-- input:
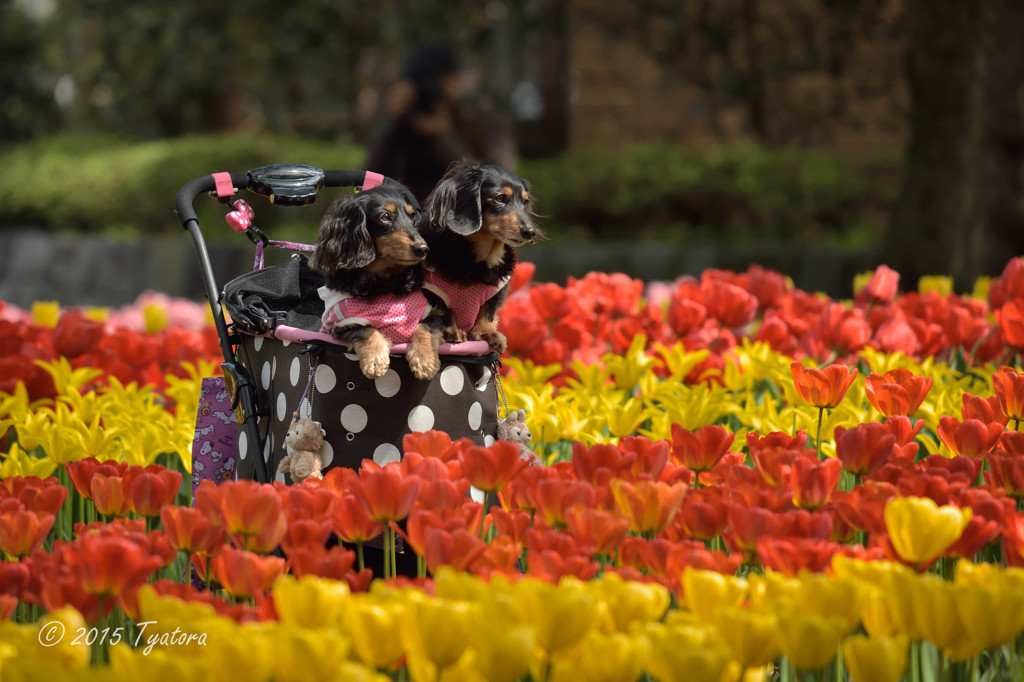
(485, 380)
(286, 343)
(266, 451)
(280, 477)
(385, 453)
(352, 356)
(326, 454)
(488, 440)
(452, 380)
(273, 367)
(389, 384)
(477, 495)
(257, 342)
(282, 406)
(243, 445)
(421, 418)
(294, 370)
(476, 414)
(265, 376)
(325, 379)
(353, 418)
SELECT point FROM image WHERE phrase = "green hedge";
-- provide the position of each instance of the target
(81, 183)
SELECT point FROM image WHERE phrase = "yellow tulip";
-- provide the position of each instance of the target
(301, 655)
(876, 617)
(821, 596)
(17, 462)
(751, 634)
(875, 659)
(310, 602)
(158, 665)
(46, 313)
(154, 316)
(624, 419)
(371, 622)
(504, 651)
(940, 284)
(96, 313)
(807, 640)
(920, 530)
(627, 369)
(626, 603)
(706, 591)
(241, 652)
(933, 601)
(437, 630)
(560, 615)
(900, 593)
(65, 378)
(603, 658)
(55, 638)
(685, 654)
(992, 615)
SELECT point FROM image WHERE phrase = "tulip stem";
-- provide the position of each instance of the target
(360, 562)
(817, 438)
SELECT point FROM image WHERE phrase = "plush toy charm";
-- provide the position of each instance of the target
(303, 442)
(513, 429)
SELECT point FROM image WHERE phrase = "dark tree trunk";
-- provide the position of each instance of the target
(959, 211)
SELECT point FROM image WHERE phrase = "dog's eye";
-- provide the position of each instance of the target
(385, 217)
(500, 198)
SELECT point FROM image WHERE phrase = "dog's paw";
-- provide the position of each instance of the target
(495, 339)
(423, 366)
(374, 357)
(454, 335)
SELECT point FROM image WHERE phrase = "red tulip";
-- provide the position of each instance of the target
(970, 438)
(790, 556)
(898, 391)
(604, 530)
(510, 524)
(430, 444)
(14, 579)
(22, 531)
(982, 409)
(730, 305)
(352, 521)
(703, 514)
(386, 494)
(43, 496)
(246, 574)
(189, 530)
(813, 481)
(1009, 387)
(491, 468)
(883, 285)
(553, 497)
(863, 448)
(843, 330)
(822, 388)
(252, 514)
(107, 565)
(1006, 470)
(110, 495)
(651, 457)
(746, 526)
(315, 559)
(151, 488)
(701, 449)
(1010, 319)
(458, 549)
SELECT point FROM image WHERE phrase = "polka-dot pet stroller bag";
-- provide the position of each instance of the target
(363, 418)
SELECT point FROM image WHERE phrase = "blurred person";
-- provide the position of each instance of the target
(430, 120)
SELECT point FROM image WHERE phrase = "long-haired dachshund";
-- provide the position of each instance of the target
(370, 253)
(473, 221)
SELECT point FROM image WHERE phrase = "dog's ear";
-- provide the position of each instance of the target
(343, 242)
(455, 202)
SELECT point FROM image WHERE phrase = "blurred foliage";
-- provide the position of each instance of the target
(84, 183)
(106, 184)
(26, 106)
(669, 192)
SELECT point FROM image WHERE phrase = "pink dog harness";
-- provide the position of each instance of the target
(393, 316)
(464, 301)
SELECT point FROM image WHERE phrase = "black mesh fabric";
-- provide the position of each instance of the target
(285, 294)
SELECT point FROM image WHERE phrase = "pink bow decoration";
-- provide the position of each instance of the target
(240, 219)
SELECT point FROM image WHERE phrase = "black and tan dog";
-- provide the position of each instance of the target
(473, 221)
(370, 253)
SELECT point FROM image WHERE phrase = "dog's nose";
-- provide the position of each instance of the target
(528, 231)
(420, 249)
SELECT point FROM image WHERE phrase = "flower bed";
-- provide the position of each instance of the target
(740, 479)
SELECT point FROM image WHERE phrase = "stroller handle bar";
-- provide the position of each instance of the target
(286, 184)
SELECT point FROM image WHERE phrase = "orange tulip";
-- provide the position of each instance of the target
(1009, 387)
(898, 391)
(39, 495)
(982, 409)
(604, 530)
(649, 505)
(651, 457)
(552, 497)
(1010, 319)
(188, 530)
(385, 492)
(600, 463)
(746, 526)
(822, 388)
(864, 448)
(970, 438)
(813, 481)
(14, 578)
(842, 329)
(703, 516)
(864, 506)
(252, 514)
(431, 444)
(22, 531)
(731, 305)
(882, 286)
(83, 470)
(244, 573)
(700, 450)
(151, 488)
(458, 549)
(1006, 470)
(509, 524)
(334, 563)
(790, 556)
(110, 495)
(108, 565)
(491, 468)
(352, 522)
